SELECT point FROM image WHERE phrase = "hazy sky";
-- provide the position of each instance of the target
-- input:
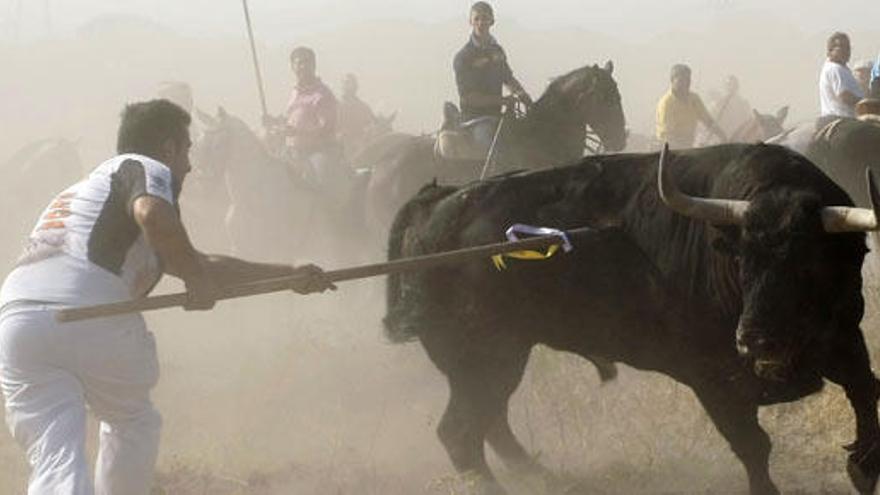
(281, 20)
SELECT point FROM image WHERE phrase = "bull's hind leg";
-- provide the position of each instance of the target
(504, 442)
(480, 387)
(737, 421)
(851, 369)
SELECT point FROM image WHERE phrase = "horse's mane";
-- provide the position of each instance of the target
(556, 91)
(556, 120)
(245, 136)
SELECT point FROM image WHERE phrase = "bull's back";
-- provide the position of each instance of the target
(590, 300)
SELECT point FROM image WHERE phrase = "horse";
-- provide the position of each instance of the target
(552, 133)
(756, 129)
(381, 125)
(760, 127)
(265, 211)
(842, 148)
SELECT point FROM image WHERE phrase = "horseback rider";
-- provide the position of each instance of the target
(309, 127)
(861, 70)
(729, 109)
(355, 116)
(875, 79)
(839, 90)
(680, 110)
(481, 72)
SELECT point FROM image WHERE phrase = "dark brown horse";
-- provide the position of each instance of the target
(552, 133)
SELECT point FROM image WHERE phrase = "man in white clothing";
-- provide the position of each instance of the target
(107, 238)
(839, 90)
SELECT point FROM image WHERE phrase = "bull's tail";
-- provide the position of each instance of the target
(398, 328)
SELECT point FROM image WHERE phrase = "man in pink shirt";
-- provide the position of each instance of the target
(311, 111)
(309, 125)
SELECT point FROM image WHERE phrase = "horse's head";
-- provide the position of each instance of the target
(591, 96)
(381, 125)
(761, 127)
(226, 140)
(385, 122)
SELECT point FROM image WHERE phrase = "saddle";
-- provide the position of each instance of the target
(868, 109)
(455, 139)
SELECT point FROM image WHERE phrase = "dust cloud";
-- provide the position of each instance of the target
(291, 394)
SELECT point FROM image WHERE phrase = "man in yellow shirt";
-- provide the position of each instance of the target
(679, 111)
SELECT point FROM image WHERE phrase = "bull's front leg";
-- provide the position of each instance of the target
(849, 366)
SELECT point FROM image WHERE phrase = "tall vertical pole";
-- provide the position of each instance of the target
(247, 19)
(47, 12)
(16, 27)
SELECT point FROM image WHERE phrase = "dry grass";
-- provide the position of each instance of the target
(281, 395)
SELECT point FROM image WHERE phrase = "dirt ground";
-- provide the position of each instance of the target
(287, 394)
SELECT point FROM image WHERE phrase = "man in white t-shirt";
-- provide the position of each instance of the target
(838, 89)
(108, 238)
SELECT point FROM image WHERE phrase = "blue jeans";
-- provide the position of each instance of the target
(484, 131)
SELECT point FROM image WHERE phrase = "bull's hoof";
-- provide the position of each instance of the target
(473, 483)
(863, 468)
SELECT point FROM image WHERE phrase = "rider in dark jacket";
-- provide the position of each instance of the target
(481, 72)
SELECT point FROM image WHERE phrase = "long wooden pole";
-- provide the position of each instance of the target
(342, 275)
(247, 20)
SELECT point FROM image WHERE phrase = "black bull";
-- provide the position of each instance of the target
(650, 288)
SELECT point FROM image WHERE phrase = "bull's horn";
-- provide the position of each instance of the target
(715, 211)
(848, 219)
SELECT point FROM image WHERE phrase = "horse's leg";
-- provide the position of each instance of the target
(851, 369)
(736, 418)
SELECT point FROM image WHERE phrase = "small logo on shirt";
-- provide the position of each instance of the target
(160, 183)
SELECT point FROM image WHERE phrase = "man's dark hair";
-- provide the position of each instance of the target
(147, 125)
(835, 39)
(303, 52)
(679, 70)
(483, 8)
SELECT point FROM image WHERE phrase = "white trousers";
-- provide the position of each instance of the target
(50, 372)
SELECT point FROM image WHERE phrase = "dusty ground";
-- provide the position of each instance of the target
(287, 394)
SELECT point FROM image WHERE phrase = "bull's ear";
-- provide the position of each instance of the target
(609, 67)
(782, 114)
(221, 112)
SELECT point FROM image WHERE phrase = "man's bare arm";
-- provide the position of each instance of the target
(849, 98)
(710, 123)
(166, 234)
(228, 271)
(163, 230)
(203, 274)
(516, 88)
